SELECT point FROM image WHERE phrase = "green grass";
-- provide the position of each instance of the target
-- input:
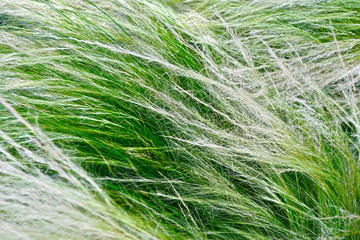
(179, 119)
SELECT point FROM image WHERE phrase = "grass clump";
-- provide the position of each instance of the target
(180, 119)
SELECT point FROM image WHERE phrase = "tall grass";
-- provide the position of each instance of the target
(180, 119)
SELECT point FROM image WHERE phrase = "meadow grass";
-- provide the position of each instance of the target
(179, 119)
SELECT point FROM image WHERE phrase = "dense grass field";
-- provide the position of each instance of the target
(154, 119)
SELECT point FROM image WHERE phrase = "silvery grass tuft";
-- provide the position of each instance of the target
(179, 119)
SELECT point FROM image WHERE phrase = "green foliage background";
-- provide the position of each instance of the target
(179, 119)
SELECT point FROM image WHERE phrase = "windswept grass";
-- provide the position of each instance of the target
(179, 119)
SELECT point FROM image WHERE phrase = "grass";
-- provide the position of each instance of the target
(179, 119)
